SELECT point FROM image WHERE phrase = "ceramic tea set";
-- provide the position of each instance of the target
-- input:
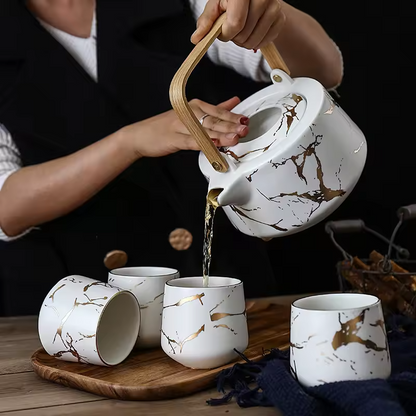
(301, 159)
(93, 322)
(333, 337)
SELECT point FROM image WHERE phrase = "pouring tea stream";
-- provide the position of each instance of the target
(302, 157)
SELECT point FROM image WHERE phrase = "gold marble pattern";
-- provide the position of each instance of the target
(242, 214)
(221, 315)
(290, 112)
(53, 294)
(250, 177)
(348, 334)
(181, 344)
(97, 284)
(70, 349)
(85, 336)
(320, 195)
(238, 158)
(186, 300)
(298, 347)
(53, 308)
(146, 305)
(226, 327)
(330, 109)
(69, 313)
(359, 147)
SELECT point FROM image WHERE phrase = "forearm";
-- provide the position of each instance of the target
(308, 50)
(37, 194)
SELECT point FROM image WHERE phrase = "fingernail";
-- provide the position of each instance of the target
(242, 129)
(232, 136)
(244, 121)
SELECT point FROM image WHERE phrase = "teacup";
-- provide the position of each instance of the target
(338, 337)
(89, 321)
(148, 285)
(201, 326)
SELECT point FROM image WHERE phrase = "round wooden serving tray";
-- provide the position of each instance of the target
(152, 375)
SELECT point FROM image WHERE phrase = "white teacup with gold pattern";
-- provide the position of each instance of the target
(148, 285)
(88, 321)
(201, 326)
(338, 337)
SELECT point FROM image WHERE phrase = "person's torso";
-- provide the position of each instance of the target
(52, 107)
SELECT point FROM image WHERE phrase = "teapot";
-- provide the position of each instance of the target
(301, 159)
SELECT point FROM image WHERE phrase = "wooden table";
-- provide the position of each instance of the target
(23, 393)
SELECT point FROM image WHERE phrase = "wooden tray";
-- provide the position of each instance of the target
(152, 375)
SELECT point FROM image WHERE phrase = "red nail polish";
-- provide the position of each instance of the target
(244, 121)
(255, 50)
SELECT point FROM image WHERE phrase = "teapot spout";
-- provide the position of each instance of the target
(235, 193)
(213, 195)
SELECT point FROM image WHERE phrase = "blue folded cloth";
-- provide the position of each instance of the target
(275, 386)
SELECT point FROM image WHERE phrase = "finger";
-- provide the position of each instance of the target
(230, 104)
(211, 13)
(221, 126)
(237, 12)
(259, 32)
(219, 112)
(223, 139)
(188, 142)
(271, 15)
(256, 11)
(274, 31)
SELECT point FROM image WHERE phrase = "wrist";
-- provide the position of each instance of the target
(127, 141)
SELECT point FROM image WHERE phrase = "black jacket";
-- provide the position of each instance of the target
(53, 108)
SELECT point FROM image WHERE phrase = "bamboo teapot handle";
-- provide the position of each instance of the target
(180, 103)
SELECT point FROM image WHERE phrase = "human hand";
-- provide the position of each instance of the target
(251, 24)
(165, 134)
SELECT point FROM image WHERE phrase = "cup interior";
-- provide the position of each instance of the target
(197, 282)
(336, 302)
(144, 272)
(118, 328)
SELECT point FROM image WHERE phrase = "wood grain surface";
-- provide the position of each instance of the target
(152, 375)
(23, 393)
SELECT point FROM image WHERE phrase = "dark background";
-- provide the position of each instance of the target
(377, 39)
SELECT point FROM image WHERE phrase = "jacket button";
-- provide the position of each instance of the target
(180, 239)
(115, 259)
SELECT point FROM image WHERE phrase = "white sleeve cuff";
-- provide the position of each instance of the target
(4, 237)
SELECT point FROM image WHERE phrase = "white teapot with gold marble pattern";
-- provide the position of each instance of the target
(301, 159)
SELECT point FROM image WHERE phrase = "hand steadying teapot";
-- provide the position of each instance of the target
(301, 159)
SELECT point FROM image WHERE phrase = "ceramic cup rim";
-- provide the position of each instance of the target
(181, 283)
(143, 272)
(121, 292)
(370, 304)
